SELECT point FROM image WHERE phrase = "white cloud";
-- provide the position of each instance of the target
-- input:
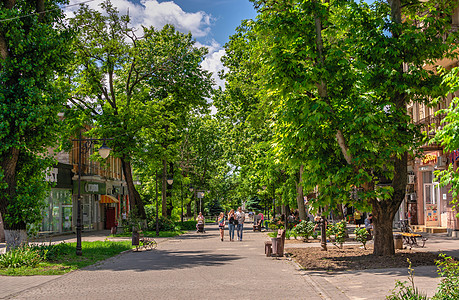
(153, 13)
(213, 63)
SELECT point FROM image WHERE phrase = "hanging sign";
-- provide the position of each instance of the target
(429, 159)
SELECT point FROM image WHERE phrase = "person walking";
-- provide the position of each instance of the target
(221, 225)
(240, 216)
(231, 224)
(200, 222)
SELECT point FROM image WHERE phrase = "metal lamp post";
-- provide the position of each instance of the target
(170, 181)
(157, 205)
(84, 145)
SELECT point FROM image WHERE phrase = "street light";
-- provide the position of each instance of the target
(84, 145)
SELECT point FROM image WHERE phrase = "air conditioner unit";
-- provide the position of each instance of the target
(411, 179)
(441, 162)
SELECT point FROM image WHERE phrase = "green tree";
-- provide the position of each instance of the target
(337, 77)
(33, 50)
(125, 84)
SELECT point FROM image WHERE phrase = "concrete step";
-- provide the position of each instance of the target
(423, 228)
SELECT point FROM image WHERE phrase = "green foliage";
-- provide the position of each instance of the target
(34, 51)
(305, 229)
(361, 235)
(325, 85)
(405, 290)
(61, 258)
(140, 89)
(292, 233)
(272, 234)
(164, 223)
(187, 225)
(338, 231)
(448, 269)
(21, 256)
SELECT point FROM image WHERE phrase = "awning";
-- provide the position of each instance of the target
(108, 199)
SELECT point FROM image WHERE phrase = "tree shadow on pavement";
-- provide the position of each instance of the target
(422, 271)
(158, 260)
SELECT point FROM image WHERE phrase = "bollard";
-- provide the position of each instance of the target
(135, 238)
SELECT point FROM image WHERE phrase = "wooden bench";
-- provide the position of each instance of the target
(257, 226)
(410, 239)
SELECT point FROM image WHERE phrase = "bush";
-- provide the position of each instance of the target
(305, 229)
(448, 269)
(53, 252)
(405, 290)
(361, 235)
(165, 224)
(448, 289)
(22, 256)
(187, 225)
(338, 231)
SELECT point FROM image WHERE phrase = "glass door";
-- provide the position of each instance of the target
(67, 218)
(431, 207)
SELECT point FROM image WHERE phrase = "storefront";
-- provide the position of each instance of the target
(433, 199)
(58, 210)
(90, 208)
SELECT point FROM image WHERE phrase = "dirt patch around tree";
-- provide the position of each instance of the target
(356, 258)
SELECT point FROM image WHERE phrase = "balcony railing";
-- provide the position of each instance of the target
(431, 123)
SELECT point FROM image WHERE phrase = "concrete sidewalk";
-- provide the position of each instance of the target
(192, 266)
(200, 266)
(378, 283)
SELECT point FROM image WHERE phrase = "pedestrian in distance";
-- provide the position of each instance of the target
(369, 225)
(240, 216)
(357, 218)
(221, 225)
(231, 224)
(200, 222)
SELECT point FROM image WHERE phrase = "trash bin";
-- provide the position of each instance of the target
(398, 241)
(135, 238)
(277, 247)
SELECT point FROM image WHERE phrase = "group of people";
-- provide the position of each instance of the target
(235, 220)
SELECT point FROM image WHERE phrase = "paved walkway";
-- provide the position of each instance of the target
(193, 266)
(200, 266)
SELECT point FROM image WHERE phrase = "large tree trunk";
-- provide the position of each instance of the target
(15, 238)
(15, 233)
(300, 196)
(188, 210)
(384, 211)
(135, 201)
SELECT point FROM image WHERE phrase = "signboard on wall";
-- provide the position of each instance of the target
(88, 187)
(429, 158)
(432, 215)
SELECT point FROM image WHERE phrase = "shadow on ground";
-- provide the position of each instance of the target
(158, 260)
(423, 271)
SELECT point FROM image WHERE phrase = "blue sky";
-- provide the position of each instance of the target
(211, 22)
(226, 14)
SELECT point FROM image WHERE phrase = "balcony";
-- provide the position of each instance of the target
(429, 125)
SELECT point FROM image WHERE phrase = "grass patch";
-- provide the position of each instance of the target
(147, 233)
(61, 258)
